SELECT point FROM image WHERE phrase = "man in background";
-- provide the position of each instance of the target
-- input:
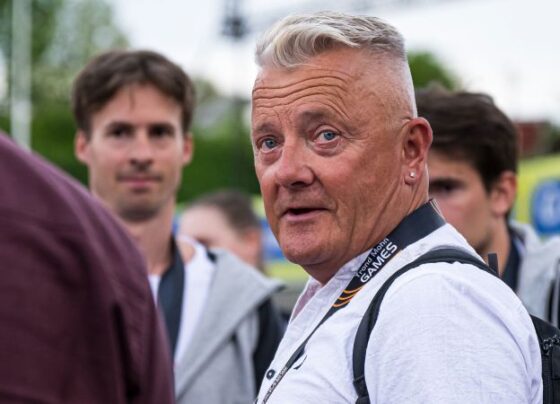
(225, 219)
(473, 176)
(77, 319)
(133, 111)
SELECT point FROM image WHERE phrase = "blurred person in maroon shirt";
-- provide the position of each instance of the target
(76, 313)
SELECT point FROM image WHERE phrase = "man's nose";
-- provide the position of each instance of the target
(294, 167)
(141, 152)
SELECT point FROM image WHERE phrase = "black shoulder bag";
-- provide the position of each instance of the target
(548, 335)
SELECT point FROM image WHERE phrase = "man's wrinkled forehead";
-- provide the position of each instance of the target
(291, 96)
(379, 72)
(341, 80)
(281, 86)
(329, 64)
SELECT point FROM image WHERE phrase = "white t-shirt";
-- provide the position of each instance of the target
(198, 276)
(445, 334)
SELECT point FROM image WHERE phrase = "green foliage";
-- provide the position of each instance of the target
(53, 137)
(551, 138)
(43, 18)
(223, 157)
(5, 26)
(219, 162)
(65, 35)
(427, 69)
(4, 123)
(93, 31)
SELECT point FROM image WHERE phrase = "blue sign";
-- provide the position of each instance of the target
(545, 207)
(271, 249)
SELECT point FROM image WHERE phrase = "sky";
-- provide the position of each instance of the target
(509, 49)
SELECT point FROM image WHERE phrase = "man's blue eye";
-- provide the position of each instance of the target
(328, 135)
(269, 143)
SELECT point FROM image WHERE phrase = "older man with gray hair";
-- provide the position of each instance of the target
(340, 155)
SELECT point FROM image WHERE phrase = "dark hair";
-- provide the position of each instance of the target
(235, 205)
(469, 127)
(109, 72)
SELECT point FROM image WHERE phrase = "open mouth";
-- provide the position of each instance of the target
(300, 211)
(299, 214)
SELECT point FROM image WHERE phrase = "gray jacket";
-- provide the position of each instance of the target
(217, 367)
(538, 272)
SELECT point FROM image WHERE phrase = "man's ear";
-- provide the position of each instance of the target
(503, 192)
(188, 148)
(81, 144)
(416, 143)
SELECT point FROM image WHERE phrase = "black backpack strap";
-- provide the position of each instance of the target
(549, 341)
(493, 262)
(369, 319)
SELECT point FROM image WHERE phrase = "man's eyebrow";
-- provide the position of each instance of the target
(330, 111)
(313, 115)
(162, 124)
(264, 127)
(119, 124)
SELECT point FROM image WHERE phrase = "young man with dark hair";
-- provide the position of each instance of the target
(473, 176)
(133, 111)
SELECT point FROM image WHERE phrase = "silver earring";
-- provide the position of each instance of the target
(412, 174)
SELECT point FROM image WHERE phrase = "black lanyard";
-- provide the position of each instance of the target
(412, 228)
(170, 295)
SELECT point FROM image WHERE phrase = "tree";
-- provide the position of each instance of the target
(43, 16)
(65, 35)
(84, 29)
(223, 156)
(426, 69)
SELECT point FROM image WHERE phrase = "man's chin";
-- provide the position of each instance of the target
(137, 213)
(301, 253)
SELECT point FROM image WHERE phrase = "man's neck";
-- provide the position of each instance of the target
(323, 272)
(153, 237)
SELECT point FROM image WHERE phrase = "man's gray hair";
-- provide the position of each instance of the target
(297, 38)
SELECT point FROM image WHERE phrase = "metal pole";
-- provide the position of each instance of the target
(235, 27)
(20, 89)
